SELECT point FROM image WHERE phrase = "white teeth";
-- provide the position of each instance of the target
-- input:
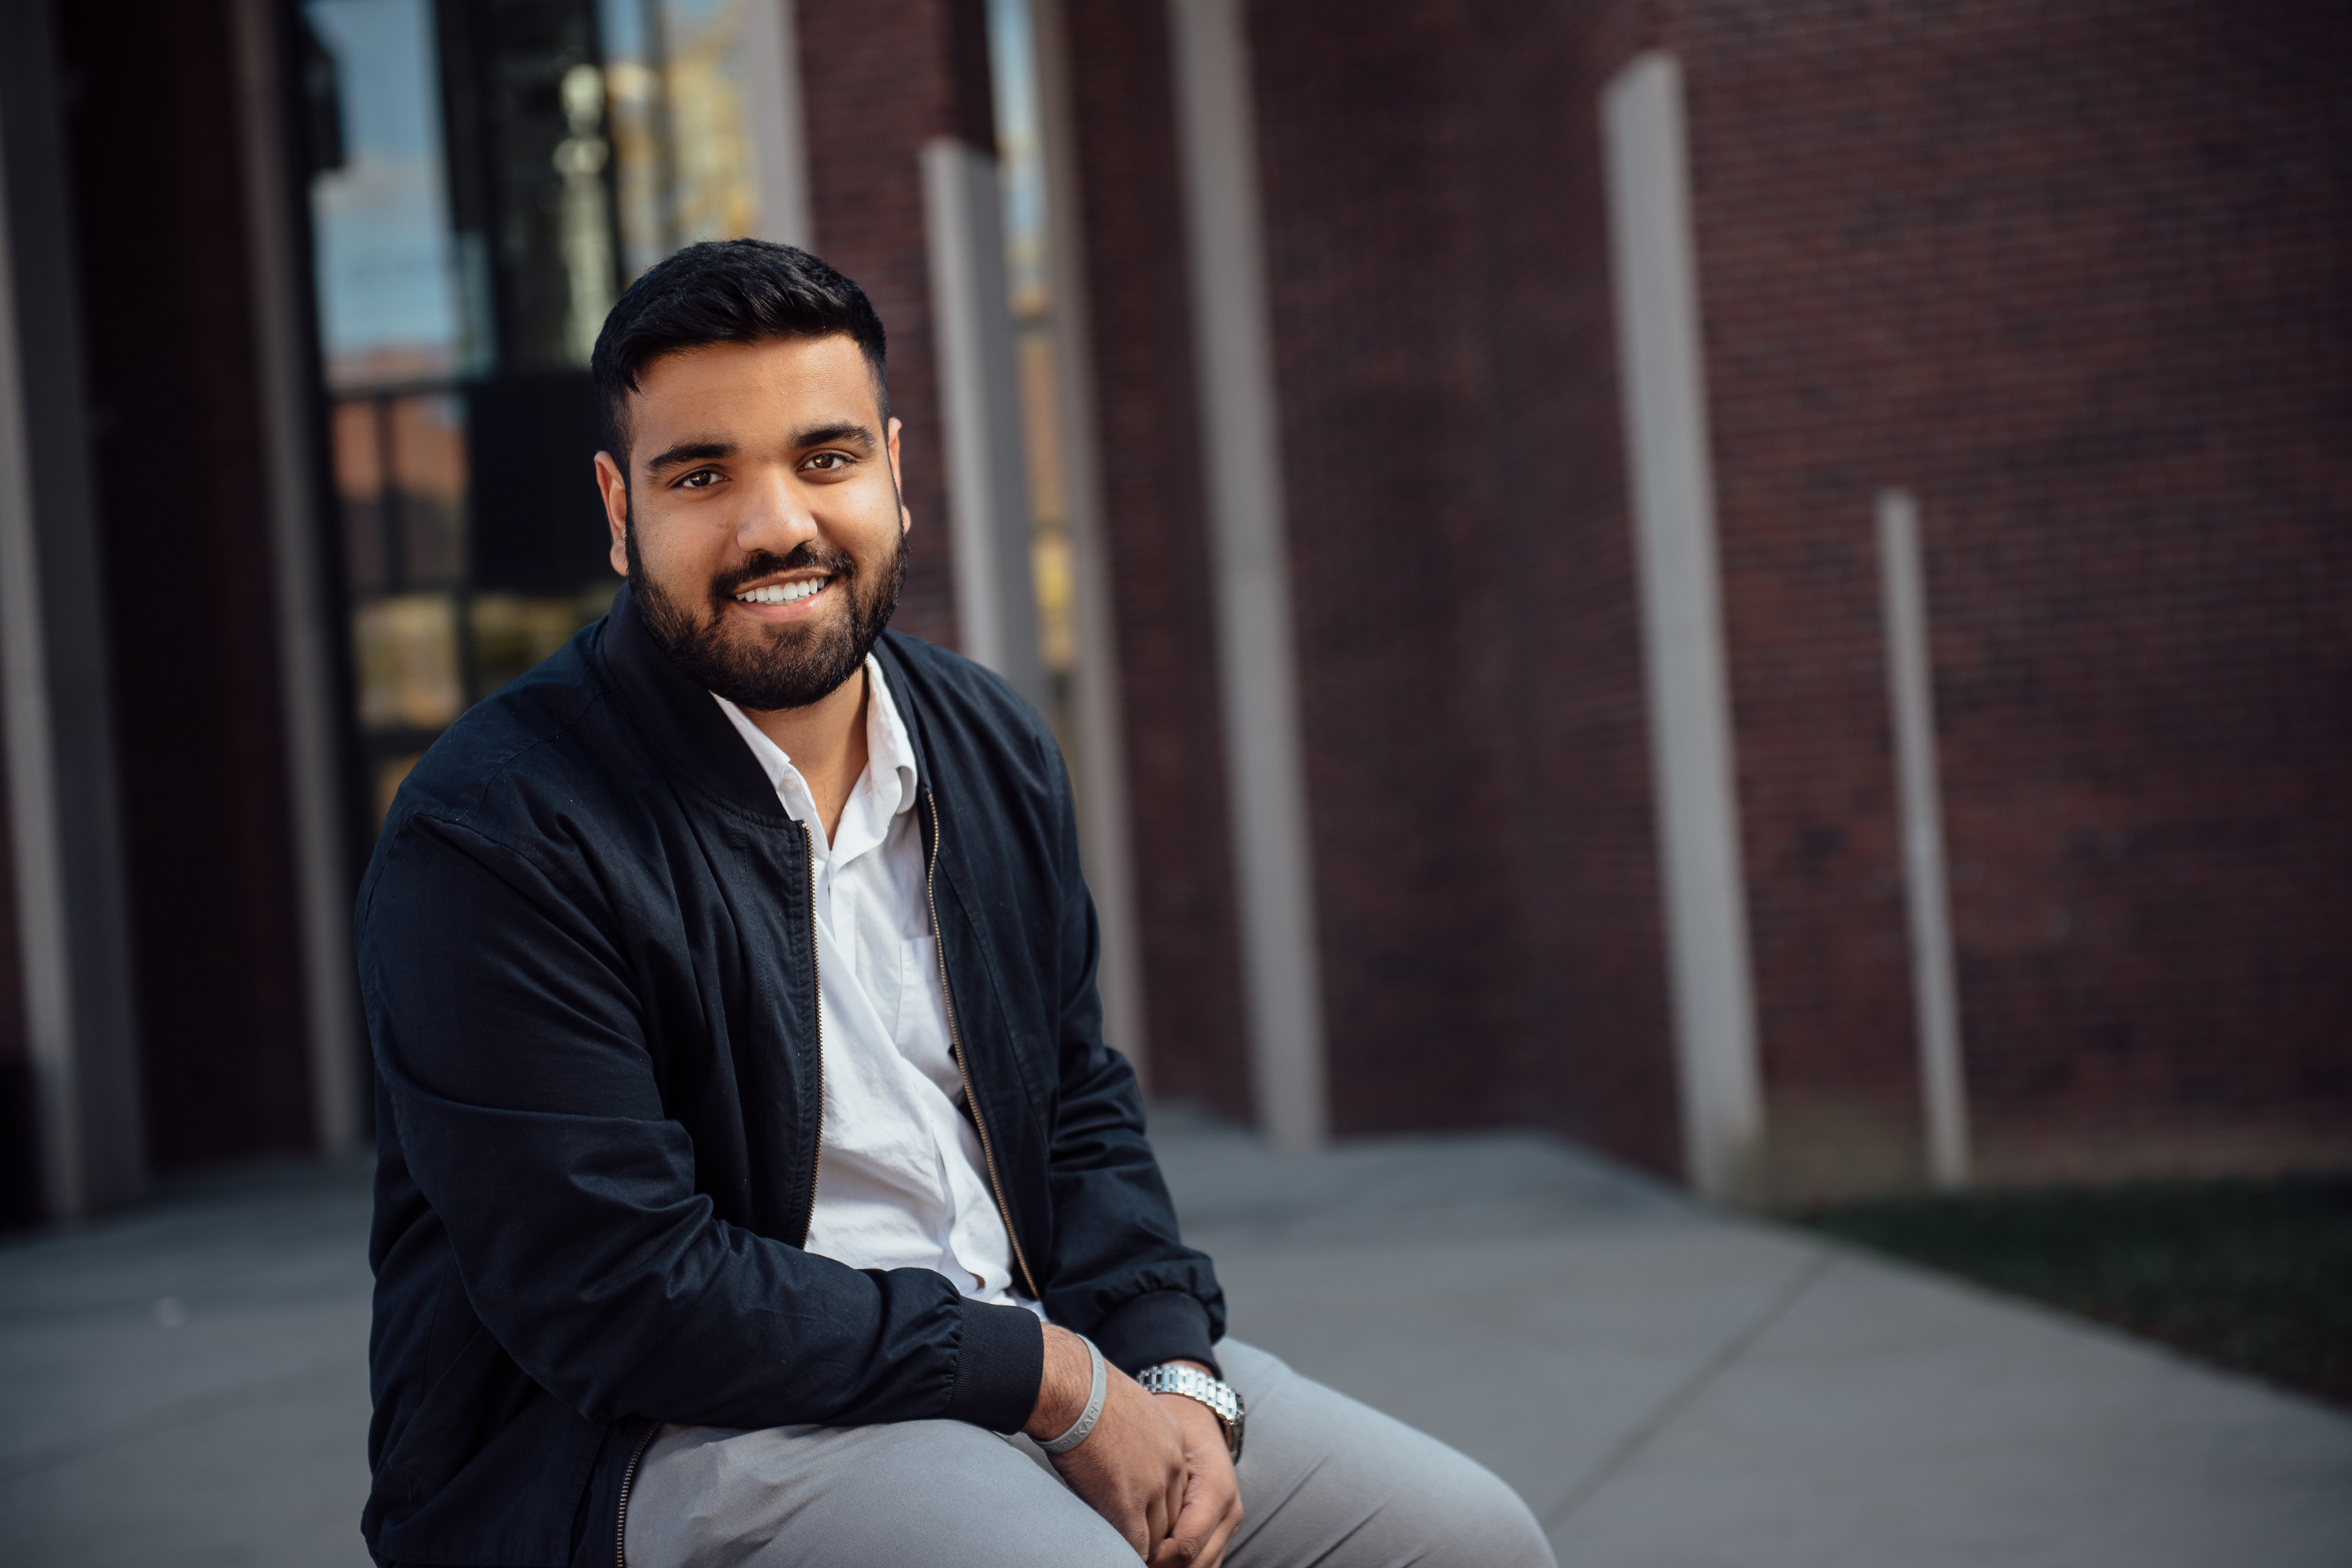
(782, 592)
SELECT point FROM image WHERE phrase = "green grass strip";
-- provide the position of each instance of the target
(2256, 1275)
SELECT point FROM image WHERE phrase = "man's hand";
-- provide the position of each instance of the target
(1212, 1510)
(1131, 1469)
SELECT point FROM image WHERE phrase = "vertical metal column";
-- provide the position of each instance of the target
(1910, 686)
(1266, 777)
(1665, 391)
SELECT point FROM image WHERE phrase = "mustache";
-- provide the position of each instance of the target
(808, 554)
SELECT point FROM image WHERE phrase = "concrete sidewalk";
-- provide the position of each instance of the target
(1666, 1384)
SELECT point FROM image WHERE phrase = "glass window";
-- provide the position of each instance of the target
(677, 83)
(408, 674)
(387, 307)
(486, 178)
(426, 436)
(359, 491)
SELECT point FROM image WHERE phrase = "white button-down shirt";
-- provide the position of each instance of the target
(901, 1181)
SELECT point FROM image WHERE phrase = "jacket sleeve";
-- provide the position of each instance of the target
(511, 1043)
(1121, 1273)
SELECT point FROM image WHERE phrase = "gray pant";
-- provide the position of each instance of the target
(1324, 1480)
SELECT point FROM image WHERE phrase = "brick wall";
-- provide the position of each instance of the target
(880, 78)
(2076, 278)
(1596, 1055)
(1395, 588)
(2081, 279)
(1469, 653)
(1470, 682)
(1156, 531)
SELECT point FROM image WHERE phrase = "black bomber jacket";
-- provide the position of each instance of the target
(588, 962)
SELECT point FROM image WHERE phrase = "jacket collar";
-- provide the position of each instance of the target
(689, 733)
(691, 738)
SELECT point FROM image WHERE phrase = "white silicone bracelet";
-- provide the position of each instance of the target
(1095, 1395)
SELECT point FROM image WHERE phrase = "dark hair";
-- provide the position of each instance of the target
(725, 292)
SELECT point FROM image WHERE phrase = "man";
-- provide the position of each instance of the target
(751, 1162)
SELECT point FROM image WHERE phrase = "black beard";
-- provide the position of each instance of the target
(793, 666)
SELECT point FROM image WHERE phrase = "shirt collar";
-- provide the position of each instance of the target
(889, 752)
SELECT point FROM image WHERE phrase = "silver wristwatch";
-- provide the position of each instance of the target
(1193, 1383)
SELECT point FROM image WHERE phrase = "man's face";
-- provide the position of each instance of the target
(768, 541)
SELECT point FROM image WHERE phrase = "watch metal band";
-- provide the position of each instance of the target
(1085, 1425)
(1195, 1384)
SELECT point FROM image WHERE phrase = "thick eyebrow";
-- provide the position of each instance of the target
(686, 452)
(841, 433)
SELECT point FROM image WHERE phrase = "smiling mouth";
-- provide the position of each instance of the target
(783, 593)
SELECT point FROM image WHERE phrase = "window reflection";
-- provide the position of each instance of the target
(1021, 173)
(359, 491)
(587, 219)
(512, 632)
(486, 179)
(387, 307)
(680, 107)
(528, 176)
(408, 662)
(427, 437)
(710, 120)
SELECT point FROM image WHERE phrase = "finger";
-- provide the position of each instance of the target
(1180, 1550)
(1209, 1515)
(1218, 1499)
(1159, 1516)
(1213, 1553)
(1196, 1539)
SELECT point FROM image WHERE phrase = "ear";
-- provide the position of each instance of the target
(613, 487)
(898, 481)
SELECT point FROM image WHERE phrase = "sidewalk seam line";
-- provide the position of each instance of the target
(1555, 1519)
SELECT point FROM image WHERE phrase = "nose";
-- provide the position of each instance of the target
(776, 516)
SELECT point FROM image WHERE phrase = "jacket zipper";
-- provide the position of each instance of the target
(816, 971)
(963, 1066)
(629, 1479)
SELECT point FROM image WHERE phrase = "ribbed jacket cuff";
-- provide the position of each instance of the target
(999, 1364)
(1161, 1325)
